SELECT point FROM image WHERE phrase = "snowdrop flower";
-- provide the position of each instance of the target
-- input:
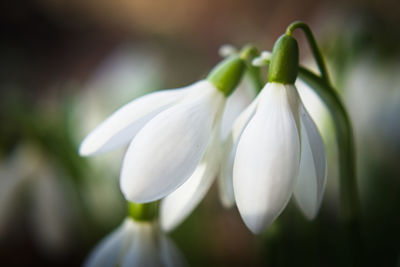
(180, 203)
(131, 71)
(169, 132)
(136, 242)
(236, 104)
(50, 211)
(276, 147)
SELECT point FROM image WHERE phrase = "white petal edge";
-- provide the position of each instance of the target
(267, 158)
(312, 173)
(52, 209)
(236, 103)
(170, 254)
(227, 50)
(165, 153)
(225, 183)
(15, 172)
(180, 203)
(119, 128)
(144, 249)
(108, 252)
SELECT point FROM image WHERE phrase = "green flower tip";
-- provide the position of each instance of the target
(227, 74)
(284, 61)
(249, 52)
(143, 211)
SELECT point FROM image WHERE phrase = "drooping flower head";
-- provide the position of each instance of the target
(179, 204)
(275, 148)
(137, 242)
(169, 133)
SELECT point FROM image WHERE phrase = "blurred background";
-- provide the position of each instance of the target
(65, 65)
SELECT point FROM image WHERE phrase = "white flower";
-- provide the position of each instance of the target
(275, 150)
(131, 71)
(180, 203)
(171, 131)
(236, 104)
(50, 212)
(138, 244)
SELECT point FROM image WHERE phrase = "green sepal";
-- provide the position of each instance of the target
(284, 61)
(227, 74)
(143, 211)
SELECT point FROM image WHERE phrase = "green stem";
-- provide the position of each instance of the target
(349, 197)
(248, 53)
(344, 134)
(314, 47)
(143, 211)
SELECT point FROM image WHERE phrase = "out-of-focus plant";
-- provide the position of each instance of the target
(43, 179)
(32, 184)
(137, 242)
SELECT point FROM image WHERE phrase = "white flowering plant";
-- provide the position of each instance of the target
(263, 151)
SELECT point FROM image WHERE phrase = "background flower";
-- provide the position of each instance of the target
(135, 244)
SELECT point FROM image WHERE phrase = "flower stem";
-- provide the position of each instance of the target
(248, 53)
(313, 45)
(349, 197)
(344, 135)
(143, 211)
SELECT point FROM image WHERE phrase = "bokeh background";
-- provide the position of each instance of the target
(65, 65)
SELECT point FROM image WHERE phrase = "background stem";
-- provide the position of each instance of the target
(248, 53)
(349, 198)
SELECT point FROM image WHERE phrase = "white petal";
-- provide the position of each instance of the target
(170, 254)
(165, 153)
(108, 252)
(227, 50)
(144, 249)
(180, 203)
(312, 174)
(236, 103)
(118, 129)
(51, 209)
(259, 62)
(225, 183)
(266, 55)
(262, 60)
(312, 103)
(267, 158)
(17, 172)
(13, 173)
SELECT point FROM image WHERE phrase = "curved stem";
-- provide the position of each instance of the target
(248, 53)
(313, 45)
(344, 134)
(344, 131)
